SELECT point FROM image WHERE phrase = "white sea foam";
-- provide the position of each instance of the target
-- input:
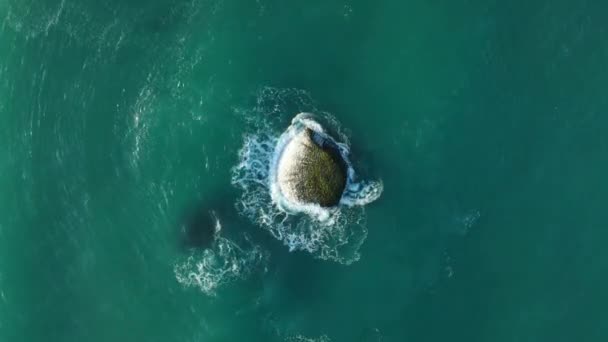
(223, 263)
(288, 335)
(328, 233)
(302, 338)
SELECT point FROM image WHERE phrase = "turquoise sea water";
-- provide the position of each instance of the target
(121, 123)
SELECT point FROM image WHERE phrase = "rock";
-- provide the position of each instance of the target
(312, 170)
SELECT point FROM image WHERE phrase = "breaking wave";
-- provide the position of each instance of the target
(224, 262)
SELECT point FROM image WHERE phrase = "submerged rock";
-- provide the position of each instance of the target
(312, 170)
(199, 229)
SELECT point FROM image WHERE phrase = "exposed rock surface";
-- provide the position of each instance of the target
(312, 170)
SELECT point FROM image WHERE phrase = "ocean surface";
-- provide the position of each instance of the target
(128, 127)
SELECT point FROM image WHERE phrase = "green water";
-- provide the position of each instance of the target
(486, 121)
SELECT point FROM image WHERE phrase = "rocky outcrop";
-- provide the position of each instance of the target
(312, 170)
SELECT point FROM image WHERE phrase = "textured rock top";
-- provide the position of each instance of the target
(311, 170)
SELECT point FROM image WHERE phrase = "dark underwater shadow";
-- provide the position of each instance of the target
(197, 228)
(198, 225)
(202, 220)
